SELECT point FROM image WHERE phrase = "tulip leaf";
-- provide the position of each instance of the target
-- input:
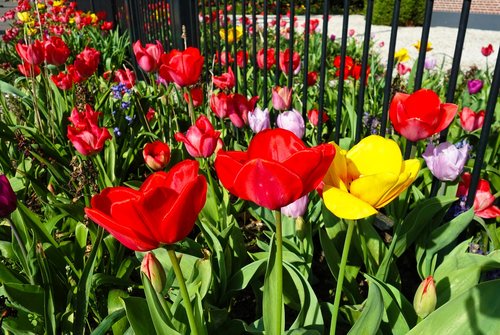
(371, 316)
(399, 311)
(158, 309)
(108, 322)
(30, 298)
(417, 220)
(472, 312)
(310, 313)
(270, 296)
(211, 234)
(246, 274)
(141, 322)
(115, 303)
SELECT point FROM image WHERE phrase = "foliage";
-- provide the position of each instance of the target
(411, 13)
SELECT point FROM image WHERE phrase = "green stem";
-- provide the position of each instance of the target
(279, 271)
(340, 279)
(183, 289)
(22, 247)
(190, 106)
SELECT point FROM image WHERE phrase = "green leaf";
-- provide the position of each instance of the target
(115, 304)
(369, 321)
(27, 297)
(108, 322)
(140, 321)
(270, 296)
(417, 220)
(244, 276)
(475, 311)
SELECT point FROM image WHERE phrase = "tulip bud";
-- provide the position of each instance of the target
(156, 155)
(282, 98)
(425, 299)
(258, 120)
(8, 199)
(152, 268)
(446, 161)
(300, 227)
(474, 86)
(293, 121)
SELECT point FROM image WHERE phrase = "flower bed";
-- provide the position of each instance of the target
(176, 205)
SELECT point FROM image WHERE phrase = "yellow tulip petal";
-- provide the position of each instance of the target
(345, 205)
(373, 155)
(407, 177)
(337, 173)
(372, 188)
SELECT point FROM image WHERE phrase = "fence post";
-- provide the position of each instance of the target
(184, 13)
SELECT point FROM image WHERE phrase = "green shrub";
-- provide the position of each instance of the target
(411, 12)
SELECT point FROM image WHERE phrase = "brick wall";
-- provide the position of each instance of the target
(477, 6)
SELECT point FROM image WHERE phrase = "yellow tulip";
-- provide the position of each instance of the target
(367, 177)
(57, 3)
(24, 16)
(402, 55)
(40, 6)
(417, 45)
(230, 35)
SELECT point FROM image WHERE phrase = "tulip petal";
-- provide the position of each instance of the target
(274, 145)
(424, 104)
(180, 220)
(407, 176)
(374, 155)
(337, 173)
(372, 188)
(415, 129)
(489, 213)
(346, 206)
(447, 114)
(182, 174)
(268, 184)
(227, 165)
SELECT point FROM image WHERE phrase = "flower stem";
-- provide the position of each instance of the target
(190, 106)
(183, 289)
(279, 271)
(340, 279)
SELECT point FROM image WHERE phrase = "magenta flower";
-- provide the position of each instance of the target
(446, 161)
(8, 199)
(474, 85)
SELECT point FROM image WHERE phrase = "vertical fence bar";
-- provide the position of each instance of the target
(364, 67)
(206, 52)
(322, 70)
(219, 48)
(244, 49)
(211, 29)
(343, 53)
(254, 48)
(485, 133)
(423, 44)
(168, 30)
(184, 14)
(264, 86)
(277, 47)
(235, 48)
(290, 42)
(390, 66)
(306, 57)
(226, 37)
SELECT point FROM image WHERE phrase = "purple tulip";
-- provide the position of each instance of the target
(430, 62)
(474, 85)
(8, 199)
(296, 208)
(258, 120)
(293, 121)
(446, 161)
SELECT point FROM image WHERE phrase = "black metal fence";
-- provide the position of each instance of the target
(177, 23)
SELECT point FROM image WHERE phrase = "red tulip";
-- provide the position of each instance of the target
(196, 96)
(106, 25)
(62, 80)
(421, 114)
(126, 77)
(148, 57)
(241, 58)
(182, 67)
(56, 51)
(286, 58)
(200, 139)
(225, 58)
(150, 114)
(271, 59)
(156, 155)
(276, 170)
(85, 134)
(312, 78)
(471, 120)
(29, 70)
(313, 116)
(349, 63)
(162, 211)
(242, 106)
(487, 50)
(222, 104)
(484, 201)
(31, 53)
(86, 62)
(226, 81)
(356, 72)
(282, 98)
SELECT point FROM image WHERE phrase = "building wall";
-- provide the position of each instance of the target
(477, 6)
